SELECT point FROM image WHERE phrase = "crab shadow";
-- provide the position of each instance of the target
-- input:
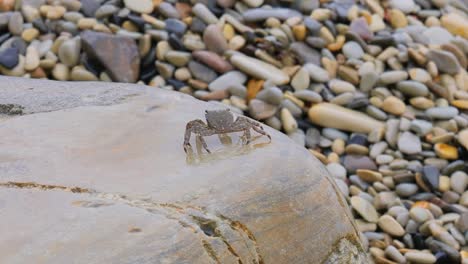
(228, 149)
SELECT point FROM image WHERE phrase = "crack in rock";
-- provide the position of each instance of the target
(207, 226)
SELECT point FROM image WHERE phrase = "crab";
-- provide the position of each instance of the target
(221, 122)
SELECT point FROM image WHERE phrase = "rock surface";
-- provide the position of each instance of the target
(110, 173)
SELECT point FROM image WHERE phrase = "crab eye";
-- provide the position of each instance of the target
(206, 111)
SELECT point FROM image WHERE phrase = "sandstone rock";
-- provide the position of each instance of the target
(110, 182)
(118, 54)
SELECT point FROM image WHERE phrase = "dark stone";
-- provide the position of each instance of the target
(326, 94)
(89, 7)
(418, 240)
(331, 26)
(304, 124)
(40, 25)
(383, 41)
(450, 253)
(138, 21)
(313, 26)
(20, 44)
(147, 73)
(119, 55)
(431, 176)
(442, 258)
(358, 103)
(176, 43)
(175, 26)
(149, 58)
(424, 196)
(355, 162)
(176, 83)
(116, 19)
(358, 139)
(201, 72)
(91, 64)
(425, 4)
(4, 37)
(9, 58)
(197, 26)
(454, 166)
(217, 11)
(304, 53)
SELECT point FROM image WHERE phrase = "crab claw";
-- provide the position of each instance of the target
(186, 146)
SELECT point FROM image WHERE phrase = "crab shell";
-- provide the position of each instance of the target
(219, 119)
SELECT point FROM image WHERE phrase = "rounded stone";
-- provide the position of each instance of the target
(352, 50)
(139, 6)
(393, 105)
(337, 170)
(412, 88)
(365, 209)
(69, 52)
(390, 226)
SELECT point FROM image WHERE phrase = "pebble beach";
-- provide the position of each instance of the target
(376, 90)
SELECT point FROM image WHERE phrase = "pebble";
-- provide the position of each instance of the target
(15, 23)
(443, 112)
(446, 151)
(9, 58)
(459, 181)
(390, 226)
(139, 6)
(420, 257)
(177, 58)
(289, 123)
(69, 52)
(462, 137)
(409, 143)
(32, 59)
(329, 115)
(445, 61)
(316, 73)
(272, 95)
(80, 74)
(413, 88)
(301, 80)
(259, 14)
(167, 10)
(227, 80)
(61, 72)
(455, 24)
(212, 60)
(201, 72)
(393, 105)
(261, 110)
(214, 39)
(259, 69)
(352, 50)
(391, 77)
(365, 209)
(406, 189)
(337, 170)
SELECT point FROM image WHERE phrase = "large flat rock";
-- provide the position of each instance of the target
(96, 173)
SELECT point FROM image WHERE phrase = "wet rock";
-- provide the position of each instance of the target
(96, 183)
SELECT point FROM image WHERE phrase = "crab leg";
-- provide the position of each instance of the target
(247, 135)
(203, 142)
(260, 130)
